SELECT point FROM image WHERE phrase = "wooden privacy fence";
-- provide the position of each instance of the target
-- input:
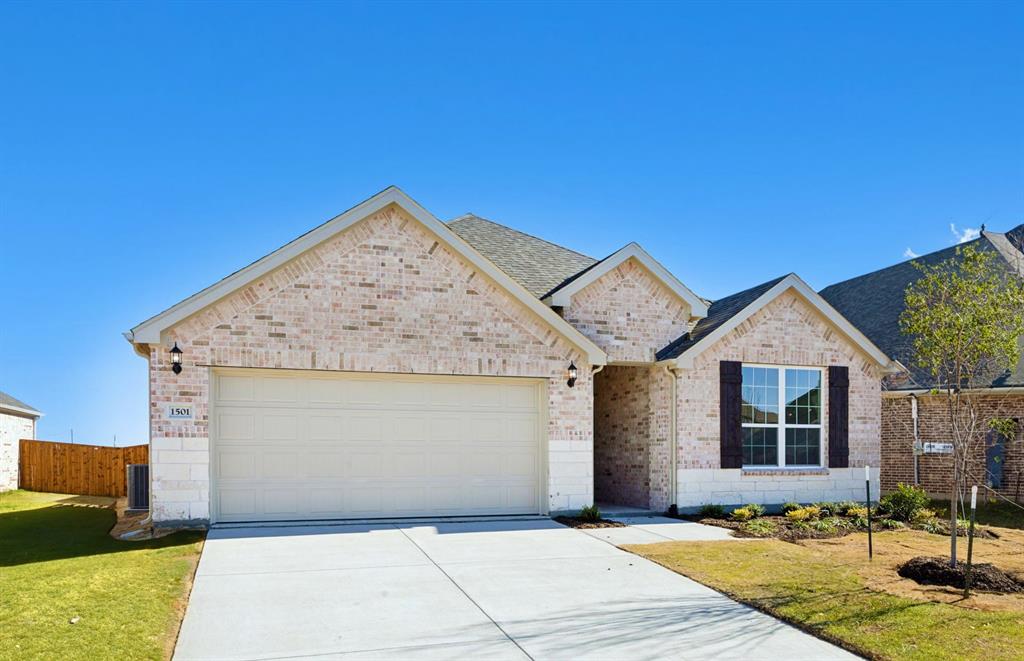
(84, 470)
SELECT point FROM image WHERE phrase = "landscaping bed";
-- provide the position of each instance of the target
(906, 508)
(577, 522)
(936, 571)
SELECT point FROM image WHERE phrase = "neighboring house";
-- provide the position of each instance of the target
(388, 364)
(17, 421)
(915, 427)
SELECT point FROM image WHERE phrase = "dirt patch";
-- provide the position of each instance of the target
(576, 522)
(936, 571)
(894, 548)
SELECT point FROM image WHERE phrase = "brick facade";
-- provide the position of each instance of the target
(936, 470)
(384, 296)
(13, 428)
(787, 331)
(628, 313)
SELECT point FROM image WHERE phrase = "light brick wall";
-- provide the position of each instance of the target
(628, 313)
(787, 331)
(622, 417)
(13, 428)
(936, 470)
(383, 296)
(632, 423)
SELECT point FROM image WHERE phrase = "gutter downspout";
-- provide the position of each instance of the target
(673, 478)
(917, 440)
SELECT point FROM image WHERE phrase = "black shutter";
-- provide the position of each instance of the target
(730, 382)
(838, 416)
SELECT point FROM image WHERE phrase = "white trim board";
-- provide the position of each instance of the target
(791, 281)
(149, 331)
(563, 295)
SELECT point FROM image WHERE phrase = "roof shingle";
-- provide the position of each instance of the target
(536, 264)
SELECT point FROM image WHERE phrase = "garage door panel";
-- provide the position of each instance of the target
(290, 447)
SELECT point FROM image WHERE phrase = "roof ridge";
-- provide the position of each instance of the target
(906, 261)
(471, 215)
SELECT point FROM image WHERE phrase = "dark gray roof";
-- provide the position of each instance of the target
(536, 264)
(7, 402)
(719, 312)
(874, 302)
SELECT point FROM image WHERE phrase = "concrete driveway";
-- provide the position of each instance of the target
(490, 590)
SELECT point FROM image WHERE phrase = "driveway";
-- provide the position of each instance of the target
(494, 590)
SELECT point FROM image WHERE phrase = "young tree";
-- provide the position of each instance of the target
(965, 315)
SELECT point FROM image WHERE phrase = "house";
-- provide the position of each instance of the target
(915, 426)
(388, 364)
(17, 421)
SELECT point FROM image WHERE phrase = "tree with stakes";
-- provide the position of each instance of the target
(964, 316)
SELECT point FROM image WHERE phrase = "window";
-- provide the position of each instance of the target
(781, 416)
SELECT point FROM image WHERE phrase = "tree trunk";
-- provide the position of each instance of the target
(953, 498)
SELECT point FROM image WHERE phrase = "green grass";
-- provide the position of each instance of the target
(827, 594)
(996, 513)
(57, 562)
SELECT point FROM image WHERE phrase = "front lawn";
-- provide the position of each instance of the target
(58, 565)
(829, 588)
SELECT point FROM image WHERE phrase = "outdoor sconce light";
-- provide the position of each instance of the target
(572, 374)
(176, 359)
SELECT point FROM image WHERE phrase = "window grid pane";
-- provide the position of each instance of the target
(803, 397)
(760, 446)
(760, 392)
(803, 447)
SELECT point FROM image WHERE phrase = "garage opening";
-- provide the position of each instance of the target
(289, 445)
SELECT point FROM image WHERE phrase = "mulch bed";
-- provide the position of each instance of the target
(576, 522)
(936, 571)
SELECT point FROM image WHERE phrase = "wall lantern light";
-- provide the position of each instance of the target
(572, 374)
(176, 359)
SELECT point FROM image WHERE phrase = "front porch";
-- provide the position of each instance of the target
(632, 428)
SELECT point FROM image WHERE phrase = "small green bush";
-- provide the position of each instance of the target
(827, 509)
(758, 510)
(827, 525)
(860, 522)
(760, 527)
(743, 514)
(923, 515)
(789, 507)
(843, 507)
(590, 513)
(904, 503)
(857, 512)
(892, 524)
(712, 511)
(800, 514)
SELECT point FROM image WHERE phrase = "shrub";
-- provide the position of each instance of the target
(789, 507)
(827, 525)
(590, 513)
(813, 511)
(758, 510)
(904, 503)
(743, 514)
(935, 527)
(923, 515)
(711, 511)
(859, 522)
(760, 527)
(893, 524)
(827, 509)
(800, 514)
(856, 512)
(843, 508)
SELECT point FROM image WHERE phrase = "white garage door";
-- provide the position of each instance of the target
(303, 445)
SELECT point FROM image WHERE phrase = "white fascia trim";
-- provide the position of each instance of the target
(562, 297)
(791, 281)
(20, 412)
(149, 331)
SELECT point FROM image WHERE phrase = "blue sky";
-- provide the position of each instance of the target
(147, 150)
